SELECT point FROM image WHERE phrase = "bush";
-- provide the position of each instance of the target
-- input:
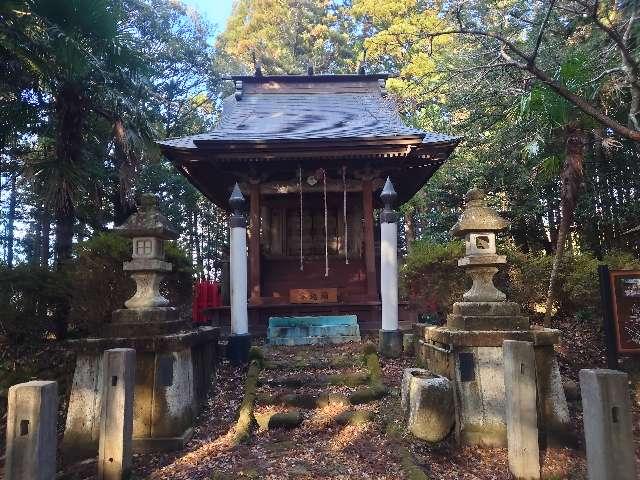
(432, 279)
(27, 296)
(430, 276)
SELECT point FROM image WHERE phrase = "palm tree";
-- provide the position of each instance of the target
(565, 126)
(75, 50)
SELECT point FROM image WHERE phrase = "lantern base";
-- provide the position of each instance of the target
(238, 348)
(128, 322)
(390, 343)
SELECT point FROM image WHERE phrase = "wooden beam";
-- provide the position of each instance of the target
(369, 246)
(254, 243)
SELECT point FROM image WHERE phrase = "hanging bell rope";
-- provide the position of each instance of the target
(344, 214)
(326, 233)
(300, 192)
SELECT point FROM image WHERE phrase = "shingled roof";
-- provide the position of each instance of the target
(306, 108)
(273, 125)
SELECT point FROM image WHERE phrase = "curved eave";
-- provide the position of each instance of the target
(307, 78)
(307, 147)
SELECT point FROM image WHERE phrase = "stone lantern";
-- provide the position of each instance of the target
(148, 229)
(478, 225)
(174, 362)
(468, 350)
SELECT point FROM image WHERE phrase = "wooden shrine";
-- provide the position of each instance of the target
(310, 153)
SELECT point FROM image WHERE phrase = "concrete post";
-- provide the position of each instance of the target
(390, 342)
(522, 415)
(239, 340)
(607, 425)
(31, 431)
(116, 415)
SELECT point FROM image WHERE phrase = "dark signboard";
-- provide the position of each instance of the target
(625, 297)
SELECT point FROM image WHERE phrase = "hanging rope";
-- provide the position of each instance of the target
(344, 211)
(300, 192)
(326, 233)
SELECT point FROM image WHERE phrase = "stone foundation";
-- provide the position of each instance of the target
(473, 361)
(173, 376)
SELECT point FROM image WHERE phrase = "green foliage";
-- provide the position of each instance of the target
(27, 295)
(430, 275)
(433, 280)
(285, 36)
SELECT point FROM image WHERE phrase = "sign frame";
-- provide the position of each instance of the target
(616, 304)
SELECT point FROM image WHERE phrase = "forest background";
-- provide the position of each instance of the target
(545, 93)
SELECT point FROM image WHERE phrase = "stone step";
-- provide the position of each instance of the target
(316, 340)
(321, 320)
(314, 331)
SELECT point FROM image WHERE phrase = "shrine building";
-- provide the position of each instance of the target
(311, 154)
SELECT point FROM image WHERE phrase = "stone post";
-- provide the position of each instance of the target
(522, 416)
(390, 341)
(31, 431)
(607, 425)
(116, 416)
(239, 340)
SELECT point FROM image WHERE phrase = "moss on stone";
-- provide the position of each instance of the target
(368, 394)
(297, 381)
(412, 471)
(286, 420)
(242, 428)
(348, 379)
(331, 399)
(255, 354)
(299, 400)
(368, 349)
(355, 417)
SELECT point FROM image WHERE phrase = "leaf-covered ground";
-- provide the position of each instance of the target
(319, 448)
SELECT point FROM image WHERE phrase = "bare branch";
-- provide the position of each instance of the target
(543, 26)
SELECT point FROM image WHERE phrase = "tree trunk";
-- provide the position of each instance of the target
(70, 119)
(409, 230)
(122, 194)
(571, 179)
(11, 217)
(45, 231)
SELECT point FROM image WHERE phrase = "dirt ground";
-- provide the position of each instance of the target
(321, 449)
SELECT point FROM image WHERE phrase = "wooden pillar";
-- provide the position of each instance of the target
(254, 243)
(369, 246)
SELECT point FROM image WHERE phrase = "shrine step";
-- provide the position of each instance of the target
(313, 330)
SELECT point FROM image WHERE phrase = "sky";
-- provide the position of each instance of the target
(216, 11)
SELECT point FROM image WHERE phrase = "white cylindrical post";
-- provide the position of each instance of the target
(390, 341)
(239, 340)
(389, 275)
(238, 265)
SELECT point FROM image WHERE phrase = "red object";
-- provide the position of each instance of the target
(205, 295)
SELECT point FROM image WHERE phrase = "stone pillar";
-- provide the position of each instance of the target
(522, 417)
(239, 340)
(390, 341)
(31, 431)
(607, 425)
(116, 416)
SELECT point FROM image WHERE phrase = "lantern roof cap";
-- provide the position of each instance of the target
(148, 221)
(477, 216)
